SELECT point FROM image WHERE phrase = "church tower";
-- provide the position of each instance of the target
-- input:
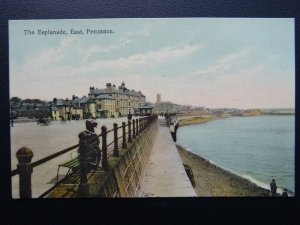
(158, 98)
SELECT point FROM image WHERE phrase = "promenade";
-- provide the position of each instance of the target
(47, 140)
(164, 174)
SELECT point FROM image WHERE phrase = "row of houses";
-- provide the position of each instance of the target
(110, 101)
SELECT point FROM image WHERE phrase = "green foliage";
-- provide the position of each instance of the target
(15, 100)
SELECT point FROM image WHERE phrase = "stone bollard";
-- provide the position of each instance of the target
(24, 156)
(83, 187)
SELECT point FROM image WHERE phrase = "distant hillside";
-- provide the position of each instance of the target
(278, 111)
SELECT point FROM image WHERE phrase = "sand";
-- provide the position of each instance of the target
(214, 181)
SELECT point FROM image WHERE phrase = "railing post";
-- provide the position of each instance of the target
(140, 123)
(143, 123)
(104, 161)
(116, 149)
(124, 145)
(129, 132)
(133, 128)
(84, 187)
(137, 127)
(24, 156)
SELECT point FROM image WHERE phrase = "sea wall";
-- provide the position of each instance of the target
(124, 175)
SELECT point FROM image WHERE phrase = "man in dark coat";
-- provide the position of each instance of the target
(273, 187)
(93, 153)
(176, 123)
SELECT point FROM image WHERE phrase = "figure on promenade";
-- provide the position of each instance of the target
(93, 152)
(129, 116)
(168, 119)
(284, 193)
(172, 130)
(176, 123)
(273, 187)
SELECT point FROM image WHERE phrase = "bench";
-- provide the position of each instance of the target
(73, 165)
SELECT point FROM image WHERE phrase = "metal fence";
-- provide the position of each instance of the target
(129, 132)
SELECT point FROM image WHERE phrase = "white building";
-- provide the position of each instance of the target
(118, 101)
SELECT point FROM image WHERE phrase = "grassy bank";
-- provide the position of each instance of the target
(212, 180)
(183, 121)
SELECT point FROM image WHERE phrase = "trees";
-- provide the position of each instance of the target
(15, 100)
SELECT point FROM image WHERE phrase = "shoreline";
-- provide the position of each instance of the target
(191, 120)
(213, 181)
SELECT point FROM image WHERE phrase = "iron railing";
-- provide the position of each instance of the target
(130, 131)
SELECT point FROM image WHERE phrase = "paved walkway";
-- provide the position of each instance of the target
(165, 175)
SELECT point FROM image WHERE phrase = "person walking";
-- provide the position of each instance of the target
(129, 116)
(273, 187)
(176, 123)
(172, 129)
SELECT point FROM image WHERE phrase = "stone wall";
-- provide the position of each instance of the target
(124, 175)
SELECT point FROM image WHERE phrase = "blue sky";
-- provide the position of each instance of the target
(211, 62)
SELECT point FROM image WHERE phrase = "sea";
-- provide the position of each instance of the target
(258, 148)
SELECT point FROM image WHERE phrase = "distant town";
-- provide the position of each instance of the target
(112, 102)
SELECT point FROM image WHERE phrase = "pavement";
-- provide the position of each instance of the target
(47, 140)
(165, 175)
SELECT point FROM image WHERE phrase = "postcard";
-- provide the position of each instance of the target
(169, 107)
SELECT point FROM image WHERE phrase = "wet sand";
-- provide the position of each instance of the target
(213, 181)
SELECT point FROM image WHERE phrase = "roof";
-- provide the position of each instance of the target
(105, 97)
(114, 90)
(61, 102)
(83, 100)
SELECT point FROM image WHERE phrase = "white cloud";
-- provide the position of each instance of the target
(226, 63)
(61, 66)
(144, 59)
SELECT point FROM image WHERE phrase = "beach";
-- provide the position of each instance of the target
(213, 181)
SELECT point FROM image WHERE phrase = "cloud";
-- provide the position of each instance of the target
(150, 58)
(226, 63)
(70, 63)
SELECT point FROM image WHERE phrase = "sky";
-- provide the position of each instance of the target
(210, 62)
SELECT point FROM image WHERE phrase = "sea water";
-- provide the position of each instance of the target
(258, 148)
